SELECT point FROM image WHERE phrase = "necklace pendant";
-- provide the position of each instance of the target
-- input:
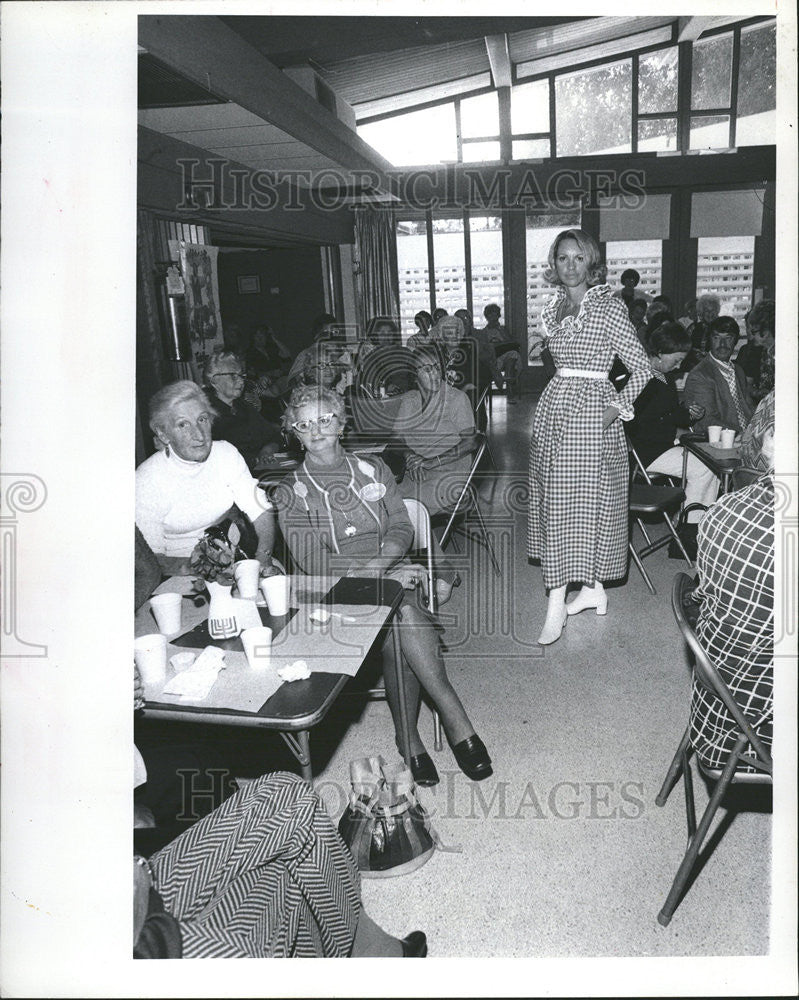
(350, 530)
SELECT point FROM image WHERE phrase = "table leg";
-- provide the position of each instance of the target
(300, 746)
(405, 735)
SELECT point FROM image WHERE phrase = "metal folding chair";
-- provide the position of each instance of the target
(745, 476)
(647, 500)
(467, 503)
(707, 676)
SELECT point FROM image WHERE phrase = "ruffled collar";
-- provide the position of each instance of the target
(572, 324)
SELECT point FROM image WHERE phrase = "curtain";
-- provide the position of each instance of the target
(376, 250)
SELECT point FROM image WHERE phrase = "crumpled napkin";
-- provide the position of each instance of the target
(296, 671)
(197, 680)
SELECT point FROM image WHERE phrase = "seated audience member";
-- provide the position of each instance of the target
(736, 620)
(637, 313)
(659, 418)
(708, 308)
(236, 420)
(265, 875)
(436, 423)
(507, 360)
(461, 359)
(146, 571)
(629, 290)
(193, 481)
(689, 318)
(424, 323)
(438, 315)
(343, 515)
(664, 300)
(756, 357)
(655, 309)
(717, 385)
(330, 366)
(323, 328)
(482, 347)
(267, 362)
(267, 355)
(388, 369)
(752, 455)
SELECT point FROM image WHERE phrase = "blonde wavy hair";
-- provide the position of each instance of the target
(597, 271)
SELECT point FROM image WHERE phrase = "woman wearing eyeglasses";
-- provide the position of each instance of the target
(236, 421)
(341, 515)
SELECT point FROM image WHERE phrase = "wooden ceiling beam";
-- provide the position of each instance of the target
(499, 60)
(212, 55)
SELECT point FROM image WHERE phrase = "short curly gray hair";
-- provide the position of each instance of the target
(218, 359)
(316, 394)
(171, 394)
(597, 272)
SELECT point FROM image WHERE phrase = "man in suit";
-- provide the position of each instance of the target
(717, 384)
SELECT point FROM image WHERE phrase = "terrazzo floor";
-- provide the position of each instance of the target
(562, 852)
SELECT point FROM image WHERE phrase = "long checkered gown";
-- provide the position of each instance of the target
(735, 559)
(265, 875)
(578, 519)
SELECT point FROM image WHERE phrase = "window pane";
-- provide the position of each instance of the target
(757, 87)
(488, 284)
(449, 256)
(480, 116)
(541, 231)
(657, 134)
(480, 152)
(415, 139)
(724, 267)
(657, 81)
(530, 149)
(645, 256)
(710, 132)
(414, 286)
(529, 107)
(593, 109)
(711, 72)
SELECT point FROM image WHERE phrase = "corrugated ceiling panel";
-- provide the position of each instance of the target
(538, 42)
(372, 77)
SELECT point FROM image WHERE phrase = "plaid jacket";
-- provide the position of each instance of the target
(735, 559)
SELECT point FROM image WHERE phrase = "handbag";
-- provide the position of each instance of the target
(385, 826)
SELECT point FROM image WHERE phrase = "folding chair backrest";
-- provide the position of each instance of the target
(744, 476)
(706, 673)
(422, 539)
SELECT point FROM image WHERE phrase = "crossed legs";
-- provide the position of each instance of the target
(423, 667)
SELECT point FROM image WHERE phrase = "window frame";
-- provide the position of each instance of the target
(684, 113)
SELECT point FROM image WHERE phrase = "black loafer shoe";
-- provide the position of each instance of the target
(472, 758)
(424, 770)
(414, 945)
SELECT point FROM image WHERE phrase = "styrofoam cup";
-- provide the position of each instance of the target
(167, 609)
(245, 572)
(149, 654)
(727, 438)
(713, 434)
(277, 590)
(257, 644)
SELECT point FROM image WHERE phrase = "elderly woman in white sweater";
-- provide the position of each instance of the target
(193, 481)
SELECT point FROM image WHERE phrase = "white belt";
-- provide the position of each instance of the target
(580, 373)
